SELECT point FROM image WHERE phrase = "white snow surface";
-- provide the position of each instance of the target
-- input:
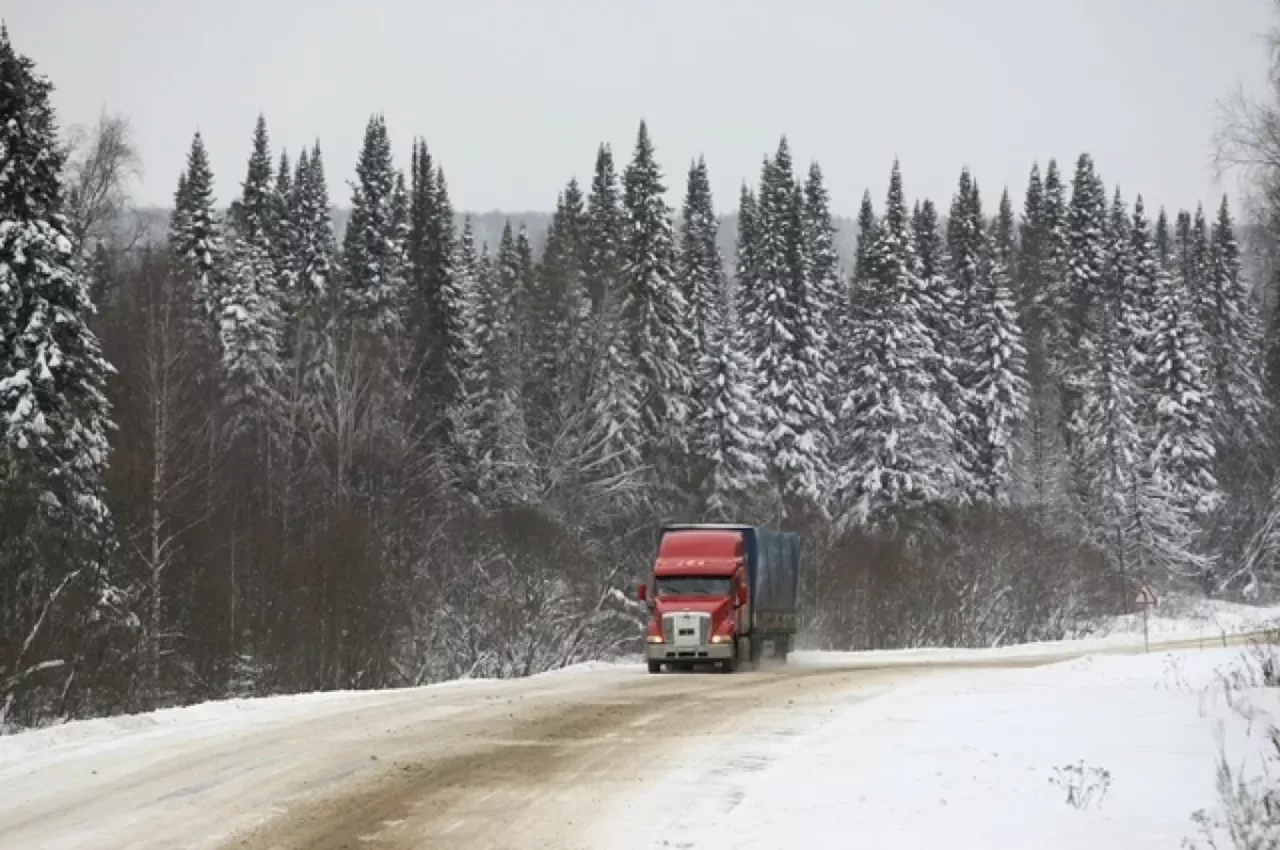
(968, 759)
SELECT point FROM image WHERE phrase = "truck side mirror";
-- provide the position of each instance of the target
(642, 592)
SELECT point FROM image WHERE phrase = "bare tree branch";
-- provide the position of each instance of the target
(102, 163)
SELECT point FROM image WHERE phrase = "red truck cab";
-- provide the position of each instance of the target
(699, 597)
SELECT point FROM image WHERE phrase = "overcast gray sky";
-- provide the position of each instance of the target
(513, 95)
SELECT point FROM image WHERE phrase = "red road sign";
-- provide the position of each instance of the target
(1146, 596)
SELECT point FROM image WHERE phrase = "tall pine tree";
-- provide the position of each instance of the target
(374, 253)
(195, 236)
(1084, 327)
(997, 357)
(54, 419)
(250, 313)
(653, 308)
(900, 453)
(793, 402)
(824, 301)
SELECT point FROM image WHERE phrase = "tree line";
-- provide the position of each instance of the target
(253, 460)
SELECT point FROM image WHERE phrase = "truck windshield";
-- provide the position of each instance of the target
(695, 586)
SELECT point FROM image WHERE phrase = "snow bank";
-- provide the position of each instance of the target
(207, 719)
(1178, 617)
(1207, 622)
(974, 759)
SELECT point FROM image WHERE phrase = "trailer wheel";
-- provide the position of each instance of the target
(757, 651)
(655, 666)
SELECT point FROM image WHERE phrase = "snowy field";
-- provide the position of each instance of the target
(982, 759)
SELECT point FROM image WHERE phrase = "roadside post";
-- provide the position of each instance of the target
(1146, 598)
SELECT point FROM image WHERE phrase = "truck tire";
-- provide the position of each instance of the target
(655, 666)
(730, 666)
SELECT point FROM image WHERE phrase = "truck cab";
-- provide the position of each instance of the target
(699, 596)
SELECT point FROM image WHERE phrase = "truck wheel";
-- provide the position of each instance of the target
(730, 666)
(655, 666)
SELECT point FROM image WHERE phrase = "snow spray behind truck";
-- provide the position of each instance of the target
(721, 594)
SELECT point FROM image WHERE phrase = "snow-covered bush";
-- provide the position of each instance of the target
(981, 578)
(1248, 815)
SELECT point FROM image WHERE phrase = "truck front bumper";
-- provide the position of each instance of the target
(688, 654)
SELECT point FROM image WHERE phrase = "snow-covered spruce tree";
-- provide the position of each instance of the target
(613, 449)
(699, 268)
(966, 238)
(1236, 371)
(1031, 251)
(941, 309)
(867, 226)
(727, 439)
(284, 248)
(930, 247)
(700, 271)
(513, 470)
(824, 302)
(1103, 423)
(313, 254)
(653, 309)
(751, 298)
(1167, 495)
(1140, 297)
(1084, 324)
(314, 246)
(725, 468)
(528, 269)
(1054, 276)
(900, 455)
(195, 236)
(1179, 400)
(470, 411)
(250, 314)
(793, 400)
(996, 356)
(606, 236)
(374, 256)
(1040, 466)
(1182, 252)
(958, 339)
(1198, 256)
(1234, 331)
(560, 313)
(56, 595)
(429, 253)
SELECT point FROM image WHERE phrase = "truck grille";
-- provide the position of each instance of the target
(686, 628)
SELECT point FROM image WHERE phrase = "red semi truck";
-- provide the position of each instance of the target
(721, 594)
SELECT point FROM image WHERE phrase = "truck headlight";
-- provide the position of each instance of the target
(721, 638)
(654, 639)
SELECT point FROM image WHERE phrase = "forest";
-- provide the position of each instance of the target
(252, 457)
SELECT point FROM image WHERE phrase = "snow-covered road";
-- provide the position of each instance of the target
(900, 749)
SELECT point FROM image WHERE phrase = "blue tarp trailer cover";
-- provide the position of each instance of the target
(773, 569)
